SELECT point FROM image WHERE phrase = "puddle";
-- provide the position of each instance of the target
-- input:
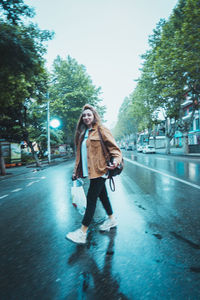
(195, 269)
(158, 236)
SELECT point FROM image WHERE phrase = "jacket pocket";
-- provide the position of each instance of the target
(95, 142)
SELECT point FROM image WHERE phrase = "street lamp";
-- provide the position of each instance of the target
(48, 131)
(53, 123)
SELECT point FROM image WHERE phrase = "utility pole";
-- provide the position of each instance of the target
(48, 131)
(2, 163)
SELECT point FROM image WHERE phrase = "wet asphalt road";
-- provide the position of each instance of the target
(153, 254)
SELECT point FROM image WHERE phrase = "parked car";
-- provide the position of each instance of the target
(149, 149)
(139, 148)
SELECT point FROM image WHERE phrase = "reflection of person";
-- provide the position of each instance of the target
(96, 282)
(90, 162)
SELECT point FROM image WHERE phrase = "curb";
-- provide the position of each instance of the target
(13, 165)
(190, 155)
(31, 167)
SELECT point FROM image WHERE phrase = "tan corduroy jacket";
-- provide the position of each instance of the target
(95, 157)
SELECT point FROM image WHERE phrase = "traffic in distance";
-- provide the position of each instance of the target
(140, 148)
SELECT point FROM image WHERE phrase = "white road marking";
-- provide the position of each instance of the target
(27, 178)
(30, 183)
(161, 158)
(19, 189)
(16, 190)
(43, 177)
(4, 196)
(162, 173)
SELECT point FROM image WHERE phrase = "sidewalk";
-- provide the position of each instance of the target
(18, 170)
(178, 152)
(14, 171)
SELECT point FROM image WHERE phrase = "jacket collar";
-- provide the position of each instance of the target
(95, 126)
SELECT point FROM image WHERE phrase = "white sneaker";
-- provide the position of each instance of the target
(77, 236)
(108, 224)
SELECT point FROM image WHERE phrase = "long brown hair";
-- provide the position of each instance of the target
(81, 127)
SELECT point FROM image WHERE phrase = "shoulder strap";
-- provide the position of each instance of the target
(112, 184)
(105, 151)
(107, 156)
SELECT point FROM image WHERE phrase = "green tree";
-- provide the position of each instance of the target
(71, 88)
(170, 70)
(142, 108)
(177, 64)
(22, 75)
(37, 117)
(15, 10)
(127, 126)
(22, 71)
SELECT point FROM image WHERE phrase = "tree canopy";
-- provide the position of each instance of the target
(15, 10)
(23, 76)
(170, 70)
(25, 82)
(70, 89)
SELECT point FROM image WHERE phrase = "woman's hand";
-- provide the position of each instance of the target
(74, 176)
(112, 165)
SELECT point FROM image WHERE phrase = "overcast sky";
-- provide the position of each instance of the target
(106, 36)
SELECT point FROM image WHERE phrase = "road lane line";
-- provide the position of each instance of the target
(31, 177)
(162, 173)
(16, 190)
(32, 182)
(4, 196)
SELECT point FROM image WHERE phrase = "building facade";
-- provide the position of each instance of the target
(194, 131)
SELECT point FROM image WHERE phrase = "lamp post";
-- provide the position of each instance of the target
(53, 123)
(48, 131)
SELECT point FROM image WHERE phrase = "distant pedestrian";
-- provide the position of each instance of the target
(90, 162)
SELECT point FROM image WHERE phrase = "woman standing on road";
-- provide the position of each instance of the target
(90, 162)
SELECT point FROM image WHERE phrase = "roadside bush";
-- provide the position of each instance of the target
(27, 158)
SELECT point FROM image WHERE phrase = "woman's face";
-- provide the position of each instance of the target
(88, 118)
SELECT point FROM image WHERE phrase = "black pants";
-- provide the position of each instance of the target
(96, 189)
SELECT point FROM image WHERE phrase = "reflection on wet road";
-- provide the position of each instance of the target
(182, 168)
(153, 253)
(176, 178)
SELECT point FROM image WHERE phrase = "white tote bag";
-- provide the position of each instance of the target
(78, 196)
